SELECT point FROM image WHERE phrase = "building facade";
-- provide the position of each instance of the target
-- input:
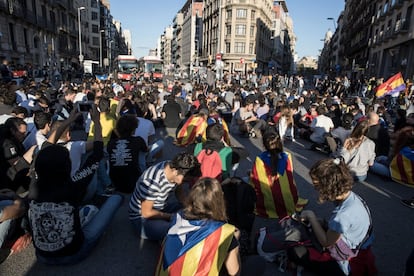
(44, 34)
(238, 33)
(392, 39)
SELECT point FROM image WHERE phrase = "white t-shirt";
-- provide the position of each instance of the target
(145, 129)
(320, 126)
(76, 150)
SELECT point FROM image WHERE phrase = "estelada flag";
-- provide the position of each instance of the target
(402, 167)
(195, 247)
(277, 195)
(393, 85)
(194, 127)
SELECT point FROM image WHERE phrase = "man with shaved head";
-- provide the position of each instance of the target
(378, 134)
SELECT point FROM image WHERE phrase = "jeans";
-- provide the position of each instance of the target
(155, 229)
(154, 149)
(360, 178)
(6, 225)
(380, 169)
(91, 231)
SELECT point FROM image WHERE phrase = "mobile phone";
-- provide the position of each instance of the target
(84, 107)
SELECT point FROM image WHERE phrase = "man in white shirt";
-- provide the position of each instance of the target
(146, 131)
(320, 126)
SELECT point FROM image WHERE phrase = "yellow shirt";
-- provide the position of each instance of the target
(108, 123)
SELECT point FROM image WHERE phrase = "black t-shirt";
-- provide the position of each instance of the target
(172, 114)
(379, 135)
(123, 162)
(12, 150)
(54, 209)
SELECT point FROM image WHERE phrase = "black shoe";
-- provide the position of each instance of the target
(408, 202)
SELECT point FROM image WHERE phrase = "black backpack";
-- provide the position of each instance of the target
(240, 202)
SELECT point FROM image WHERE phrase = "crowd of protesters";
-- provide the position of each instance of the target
(70, 151)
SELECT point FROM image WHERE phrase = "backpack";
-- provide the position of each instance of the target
(214, 164)
(240, 201)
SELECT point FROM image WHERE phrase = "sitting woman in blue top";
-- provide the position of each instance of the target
(348, 228)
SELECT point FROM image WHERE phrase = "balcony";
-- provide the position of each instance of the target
(29, 17)
(41, 22)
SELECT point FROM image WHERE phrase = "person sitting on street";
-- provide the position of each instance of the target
(149, 211)
(64, 231)
(358, 151)
(350, 226)
(245, 121)
(124, 150)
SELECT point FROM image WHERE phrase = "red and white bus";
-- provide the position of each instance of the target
(125, 67)
(151, 68)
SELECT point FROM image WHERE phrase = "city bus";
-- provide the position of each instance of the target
(125, 67)
(151, 68)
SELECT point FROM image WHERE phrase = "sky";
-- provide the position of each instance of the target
(147, 19)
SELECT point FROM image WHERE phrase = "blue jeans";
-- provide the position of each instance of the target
(6, 225)
(155, 148)
(154, 229)
(91, 231)
(360, 178)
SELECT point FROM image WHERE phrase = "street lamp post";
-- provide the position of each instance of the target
(80, 34)
(100, 48)
(333, 21)
(110, 55)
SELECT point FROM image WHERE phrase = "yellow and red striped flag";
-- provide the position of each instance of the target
(277, 195)
(393, 85)
(194, 127)
(195, 247)
(402, 167)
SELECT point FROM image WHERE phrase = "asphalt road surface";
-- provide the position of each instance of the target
(120, 252)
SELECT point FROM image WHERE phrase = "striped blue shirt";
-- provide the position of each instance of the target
(153, 186)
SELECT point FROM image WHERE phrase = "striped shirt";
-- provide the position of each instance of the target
(153, 186)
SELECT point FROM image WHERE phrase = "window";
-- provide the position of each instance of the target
(252, 30)
(253, 15)
(95, 41)
(94, 15)
(251, 48)
(241, 13)
(239, 47)
(240, 29)
(228, 29)
(228, 14)
(12, 39)
(228, 47)
(95, 28)
(94, 3)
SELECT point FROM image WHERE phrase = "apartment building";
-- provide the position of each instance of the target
(239, 33)
(392, 39)
(44, 34)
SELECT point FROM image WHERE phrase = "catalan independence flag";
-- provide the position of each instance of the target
(402, 167)
(393, 85)
(194, 127)
(277, 195)
(194, 247)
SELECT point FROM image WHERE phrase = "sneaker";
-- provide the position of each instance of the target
(408, 202)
